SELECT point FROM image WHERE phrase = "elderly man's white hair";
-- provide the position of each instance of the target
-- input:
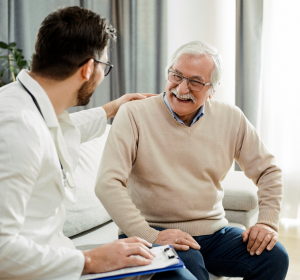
(198, 48)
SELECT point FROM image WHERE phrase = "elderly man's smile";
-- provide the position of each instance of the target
(184, 98)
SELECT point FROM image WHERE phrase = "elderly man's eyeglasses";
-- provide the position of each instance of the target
(107, 64)
(175, 78)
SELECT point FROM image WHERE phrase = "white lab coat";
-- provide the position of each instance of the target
(32, 244)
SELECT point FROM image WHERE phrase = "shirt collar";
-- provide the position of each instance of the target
(199, 114)
(41, 96)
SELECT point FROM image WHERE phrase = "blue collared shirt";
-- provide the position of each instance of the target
(199, 114)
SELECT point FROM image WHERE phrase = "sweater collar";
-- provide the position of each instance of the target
(199, 114)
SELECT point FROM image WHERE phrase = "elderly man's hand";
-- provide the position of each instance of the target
(259, 237)
(180, 240)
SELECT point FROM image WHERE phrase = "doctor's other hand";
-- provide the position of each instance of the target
(118, 254)
(259, 237)
(179, 239)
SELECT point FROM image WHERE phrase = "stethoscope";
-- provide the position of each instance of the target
(67, 177)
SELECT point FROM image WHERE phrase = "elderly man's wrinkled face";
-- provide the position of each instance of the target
(183, 101)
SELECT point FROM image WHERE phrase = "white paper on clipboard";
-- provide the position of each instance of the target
(161, 260)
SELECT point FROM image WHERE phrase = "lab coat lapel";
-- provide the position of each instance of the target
(72, 137)
(63, 154)
(52, 122)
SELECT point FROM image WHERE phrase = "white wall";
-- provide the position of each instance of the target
(212, 21)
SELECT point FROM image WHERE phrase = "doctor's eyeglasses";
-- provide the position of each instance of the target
(107, 64)
(107, 67)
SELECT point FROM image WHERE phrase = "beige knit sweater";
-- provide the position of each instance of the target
(158, 172)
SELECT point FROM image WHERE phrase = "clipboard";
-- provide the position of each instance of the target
(166, 256)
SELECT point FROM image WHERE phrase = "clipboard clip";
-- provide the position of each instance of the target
(171, 253)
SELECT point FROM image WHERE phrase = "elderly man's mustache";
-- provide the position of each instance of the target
(187, 96)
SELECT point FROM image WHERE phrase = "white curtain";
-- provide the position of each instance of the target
(279, 120)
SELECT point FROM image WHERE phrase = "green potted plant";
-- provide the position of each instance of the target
(11, 59)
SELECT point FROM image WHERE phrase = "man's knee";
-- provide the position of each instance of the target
(178, 274)
(277, 261)
(191, 256)
(280, 257)
(194, 262)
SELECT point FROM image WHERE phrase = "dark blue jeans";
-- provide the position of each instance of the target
(178, 274)
(225, 254)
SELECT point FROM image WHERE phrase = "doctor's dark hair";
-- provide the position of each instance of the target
(67, 38)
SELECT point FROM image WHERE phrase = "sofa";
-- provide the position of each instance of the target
(89, 225)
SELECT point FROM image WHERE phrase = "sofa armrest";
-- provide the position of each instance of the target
(240, 199)
(240, 193)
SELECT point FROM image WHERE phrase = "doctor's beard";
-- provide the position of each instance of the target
(86, 91)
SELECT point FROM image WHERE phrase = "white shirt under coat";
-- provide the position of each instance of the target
(32, 244)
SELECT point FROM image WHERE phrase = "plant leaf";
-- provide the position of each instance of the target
(13, 44)
(22, 63)
(3, 45)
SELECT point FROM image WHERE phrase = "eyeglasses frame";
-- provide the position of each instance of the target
(106, 63)
(99, 61)
(187, 79)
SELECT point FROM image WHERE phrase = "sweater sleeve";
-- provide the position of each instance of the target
(259, 165)
(116, 164)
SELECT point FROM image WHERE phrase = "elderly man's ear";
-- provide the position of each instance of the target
(211, 95)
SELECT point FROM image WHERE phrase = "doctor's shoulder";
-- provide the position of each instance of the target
(16, 104)
(17, 110)
(12, 96)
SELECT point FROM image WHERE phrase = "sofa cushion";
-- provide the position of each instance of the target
(240, 192)
(246, 218)
(97, 236)
(88, 211)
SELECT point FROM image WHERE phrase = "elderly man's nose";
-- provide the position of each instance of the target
(183, 87)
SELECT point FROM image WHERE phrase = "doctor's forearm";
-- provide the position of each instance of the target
(110, 109)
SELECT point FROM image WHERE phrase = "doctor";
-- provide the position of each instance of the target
(39, 150)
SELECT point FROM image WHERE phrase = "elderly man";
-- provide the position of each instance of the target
(162, 168)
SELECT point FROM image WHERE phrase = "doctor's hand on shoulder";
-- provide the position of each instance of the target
(112, 107)
(118, 254)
